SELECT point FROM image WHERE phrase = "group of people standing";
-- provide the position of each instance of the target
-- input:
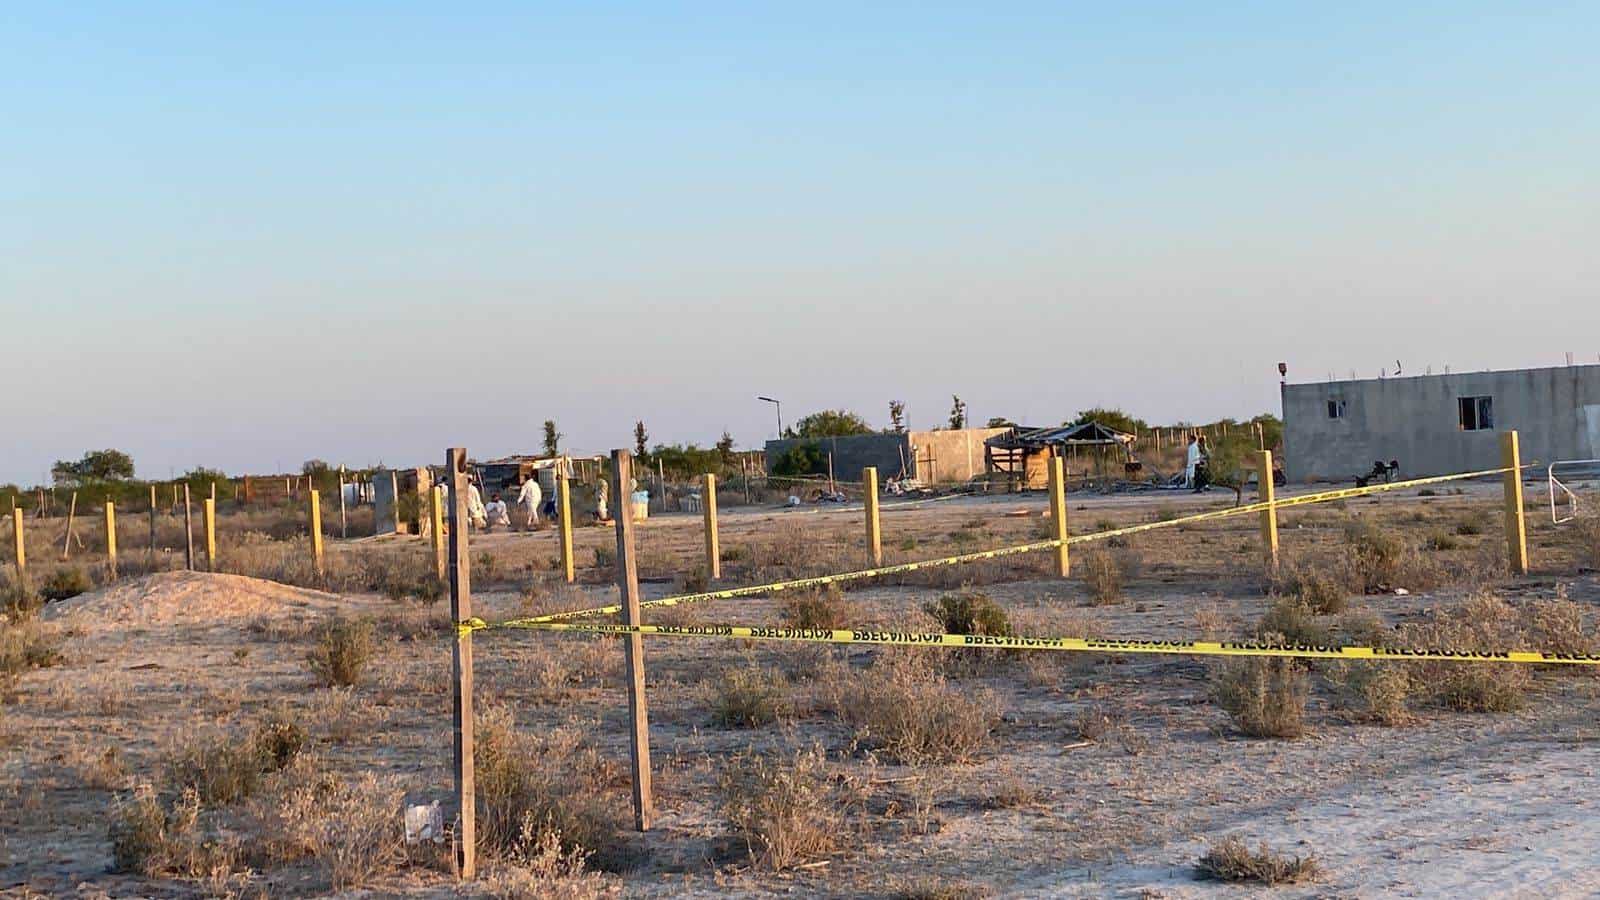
(530, 500)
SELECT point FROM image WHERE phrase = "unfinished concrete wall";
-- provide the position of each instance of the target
(851, 454)
(1416, 420)
(950, 456)
(932, 456)
(385, 512)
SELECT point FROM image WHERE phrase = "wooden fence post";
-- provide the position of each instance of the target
(209, 515)
(66, 540)
(19, 543)
(869, 493)
(460, 566)
(564, 526)
(111, 538)
(1516, 525)
(316, 530)
(1267, 490)
(436, 521)
(708, 503)
(1058, 512)
(188, 530)
(628, 584)
(152, 527)
(344, 521)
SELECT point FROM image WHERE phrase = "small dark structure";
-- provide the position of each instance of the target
(1090, 449)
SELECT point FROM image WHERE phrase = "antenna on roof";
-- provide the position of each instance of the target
(1397, 367)
(1569, 357)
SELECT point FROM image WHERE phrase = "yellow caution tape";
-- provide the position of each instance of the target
(901, 568)
(1083, 645)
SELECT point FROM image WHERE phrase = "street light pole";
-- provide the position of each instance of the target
(780, 414)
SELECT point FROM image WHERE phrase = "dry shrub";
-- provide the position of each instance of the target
(1233, 860)
(540, 869)
(1374, 692)
(1441, 541)
(936, 888)
(1323, 585)
(905, 709)
(749, 696)
(26, 645)
(557, 781)
(1102, 575)
(1264, 696)
(1587, 534)
(220, 767)
(1483, 623)
(64, 582)
(824, 607)
(1475, 522)
(1556, 626)
(354, 830)
(344, 646)
(786, 808)
(1380, 561)
(102, 769)
(1291, 620)
(969, 612)
(342, 715)
(153, 838)
(18, 600)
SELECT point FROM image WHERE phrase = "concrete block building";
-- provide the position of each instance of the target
(929, 456)
(1439, 424)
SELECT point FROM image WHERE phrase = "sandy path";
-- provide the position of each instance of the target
(1525, 823)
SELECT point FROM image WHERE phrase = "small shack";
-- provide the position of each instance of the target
(1090, 449)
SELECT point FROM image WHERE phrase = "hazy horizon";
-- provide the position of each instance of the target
(246, 237)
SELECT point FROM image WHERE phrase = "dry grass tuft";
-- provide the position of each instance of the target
(825, 607)
(1232, 860)
(344, 646)
(557, 781)
(1374, 692)
(153, 838)
(1290, 619)
(219, 767)
(1322, 585)
(1101, 572)
(906, 710)
(1484, 623)
(1264, 696)
(787, 809)
(969, 612)
(749, 696)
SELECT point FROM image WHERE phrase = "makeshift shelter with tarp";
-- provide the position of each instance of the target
(1089, 449)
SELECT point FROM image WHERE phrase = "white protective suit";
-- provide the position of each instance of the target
(528, 497)
(1190, 463)
(476, 514)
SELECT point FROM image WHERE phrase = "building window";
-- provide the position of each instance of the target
(1476, 413)
(1335, 408)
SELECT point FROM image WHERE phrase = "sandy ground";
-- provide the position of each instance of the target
(1460, 805)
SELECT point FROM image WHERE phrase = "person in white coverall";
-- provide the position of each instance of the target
(497, 514)
(1191, 461)
(477, 516)
(528, 497)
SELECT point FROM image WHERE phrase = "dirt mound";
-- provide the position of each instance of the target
(168, 598)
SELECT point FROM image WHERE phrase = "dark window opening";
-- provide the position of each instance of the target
(1335, 409)
(1475, 413)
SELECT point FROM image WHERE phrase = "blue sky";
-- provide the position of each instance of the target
(246, 236)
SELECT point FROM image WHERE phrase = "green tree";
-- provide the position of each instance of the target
(829, 423)
(958, 413)
(1001, 422)
(552, 438)
(641, 440)
(96, 465)
(1111, 418)
(801, 459)
(897, 416)
(725, 449)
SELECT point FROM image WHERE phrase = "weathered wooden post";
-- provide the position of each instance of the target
(208, 512)
(869, 493)
(708, 503)
(1267, 491)
(188, 530)
(1058, 512)
(316, 530)
(152, 527)
(460, 567)
(436, 500)
(564, 525)
(111, 538)
(66, 539)
(19, 543)
(628, 584)
(344, 521)
(1516, 525)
